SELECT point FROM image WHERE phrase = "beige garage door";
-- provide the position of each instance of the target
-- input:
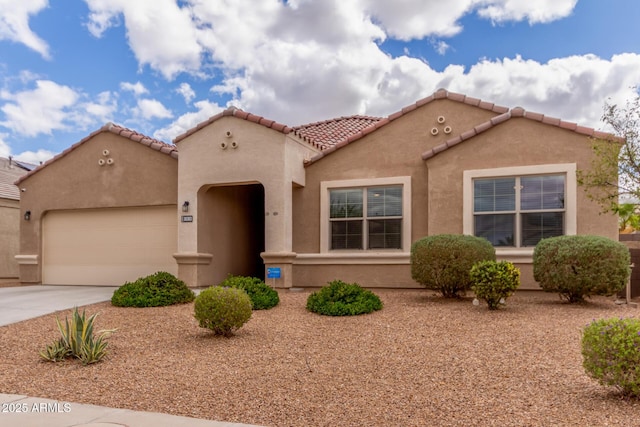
(108, 246)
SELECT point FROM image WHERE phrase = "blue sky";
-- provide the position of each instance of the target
(160, 67)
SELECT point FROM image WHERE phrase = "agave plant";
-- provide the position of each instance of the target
(78, 340)
(55, 352)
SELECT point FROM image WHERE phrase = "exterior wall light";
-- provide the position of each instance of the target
(27, 216)
(185, 207)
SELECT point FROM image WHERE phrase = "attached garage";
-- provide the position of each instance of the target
(108, 246)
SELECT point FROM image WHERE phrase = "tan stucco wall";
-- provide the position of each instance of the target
(394, 150)
(10, 238)
(369, 275)
(139, 176)
(518, 142)
(437, 184)
(262, 156)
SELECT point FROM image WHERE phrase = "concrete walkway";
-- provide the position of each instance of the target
(26, 302)
(22, 411)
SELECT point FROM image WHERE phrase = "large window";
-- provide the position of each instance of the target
(365, 217)
(519, 211)
(369, 217)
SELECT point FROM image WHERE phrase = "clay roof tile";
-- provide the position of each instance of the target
(235, 112)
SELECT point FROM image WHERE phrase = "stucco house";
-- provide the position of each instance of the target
(10, 171)
(300, 206)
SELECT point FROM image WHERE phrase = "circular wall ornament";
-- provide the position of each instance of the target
(441, 119)
(434, 131)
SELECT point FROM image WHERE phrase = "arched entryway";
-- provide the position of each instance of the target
(231, 228)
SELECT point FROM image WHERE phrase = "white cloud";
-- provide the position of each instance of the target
(101, 110)
(50, 106)
(440, 46)
(303, 59)
(5, 150)
(572, 88)
(186, 91)
(14, 23)
(152, 108)
(175, 37)
(306, 60)
(161, 34)
(35, 157)
(535, 12)
(137, 88)
(415, 19)
(206, 109)
(38, 111)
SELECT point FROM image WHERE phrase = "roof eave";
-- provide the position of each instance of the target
(235, 112)
(519, 112)
(154, 144)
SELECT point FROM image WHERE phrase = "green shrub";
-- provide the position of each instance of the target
(156, 290)
(343, 299)
(579, 266)
(611, 353)
(494, 281)
(263, 296)
(78, 340)
(223, 310)
(442, 262)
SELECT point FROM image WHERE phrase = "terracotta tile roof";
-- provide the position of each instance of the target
(518, 112)
(235, 112)
(439, 94)
(10, 172)
(168, 149)
(328, 133)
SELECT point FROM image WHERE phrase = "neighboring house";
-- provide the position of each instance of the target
(339, 199)
(10, 171)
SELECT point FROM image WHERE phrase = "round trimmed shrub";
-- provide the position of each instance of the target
(494, 281)
(222, 310)
(156, 290)
(343, 299)
(442, 262)
(581, 266)
(611, 355)
(263, 296)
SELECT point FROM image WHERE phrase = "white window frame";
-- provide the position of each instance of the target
(567, 169)
(325, 228)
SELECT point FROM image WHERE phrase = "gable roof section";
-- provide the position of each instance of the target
(517, 112)
(327, 133)
(235, 112)
(9, 172)
(134, 136)
(439, 94)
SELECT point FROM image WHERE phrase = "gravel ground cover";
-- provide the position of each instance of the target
(420, 361)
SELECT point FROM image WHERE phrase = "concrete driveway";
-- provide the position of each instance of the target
(26, 302)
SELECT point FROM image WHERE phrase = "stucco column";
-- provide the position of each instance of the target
(188, 258)
(30, 257)
(278, 256)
